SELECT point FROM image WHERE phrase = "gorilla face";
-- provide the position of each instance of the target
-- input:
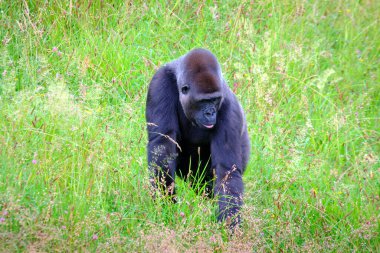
(202, 111)
(200, 89)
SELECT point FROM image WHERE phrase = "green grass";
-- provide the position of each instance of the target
(73, 83)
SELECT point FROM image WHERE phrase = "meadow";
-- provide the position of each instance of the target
(73, 83)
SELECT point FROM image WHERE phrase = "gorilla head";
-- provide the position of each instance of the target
(200, 87)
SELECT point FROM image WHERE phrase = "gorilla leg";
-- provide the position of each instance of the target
(194, 165)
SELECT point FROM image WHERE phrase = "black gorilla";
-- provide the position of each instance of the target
(197, 130)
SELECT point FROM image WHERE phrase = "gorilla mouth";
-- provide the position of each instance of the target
(208, 126)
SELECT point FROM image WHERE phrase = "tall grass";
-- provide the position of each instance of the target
(73, 83)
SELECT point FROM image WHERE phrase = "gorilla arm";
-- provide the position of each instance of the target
(163, 129)
(226, 152)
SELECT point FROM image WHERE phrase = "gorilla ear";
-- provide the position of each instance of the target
(185, 89)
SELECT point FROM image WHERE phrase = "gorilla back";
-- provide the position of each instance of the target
(197, 130)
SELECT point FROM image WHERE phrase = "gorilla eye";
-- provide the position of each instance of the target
(185, 89)
(216, 100)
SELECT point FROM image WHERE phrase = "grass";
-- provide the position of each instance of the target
(74, 76)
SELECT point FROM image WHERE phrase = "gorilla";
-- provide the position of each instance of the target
(197, 131)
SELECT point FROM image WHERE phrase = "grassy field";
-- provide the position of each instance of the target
(73, 82)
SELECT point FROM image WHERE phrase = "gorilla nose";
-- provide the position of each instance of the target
(210, 114)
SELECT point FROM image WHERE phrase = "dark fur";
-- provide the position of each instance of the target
(179, 144)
